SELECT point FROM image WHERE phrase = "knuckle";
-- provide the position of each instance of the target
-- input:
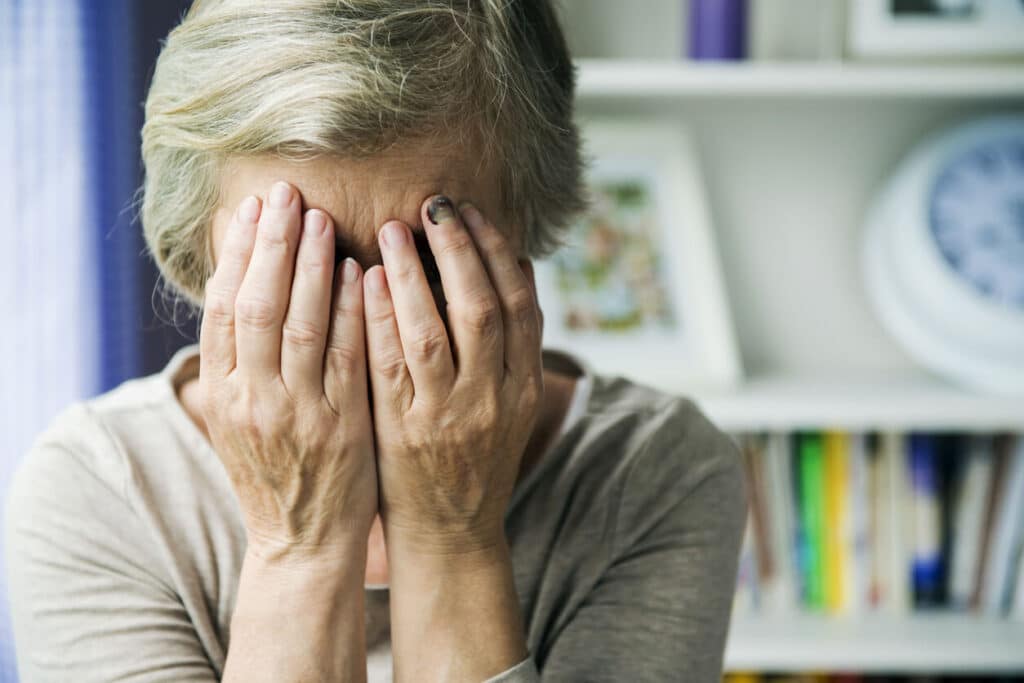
(408, 271)
(482, 314)
(532, 389)
(391, 367)
(274, 236)
(520, 304)
(218, 309)
(344, 355)
(313, 266)
(381, 317)
(346, 308)
(302, 334)
(428, 343)
(457, 245)
(487, 410)
(255, 314)
(491, 239)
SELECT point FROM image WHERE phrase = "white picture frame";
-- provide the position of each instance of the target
(981, 28)
(637, 290)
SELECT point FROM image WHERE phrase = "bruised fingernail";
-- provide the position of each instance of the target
(394, 235)
(280, 195)
(349, 270)
(440, 209)
(249, 210)
(471, 215)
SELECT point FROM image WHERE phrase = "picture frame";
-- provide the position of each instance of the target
(637, 290)
(936, 28)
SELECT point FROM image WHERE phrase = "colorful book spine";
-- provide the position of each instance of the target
(835, 531)
(812, 512)
(844, 523)
(926, 568)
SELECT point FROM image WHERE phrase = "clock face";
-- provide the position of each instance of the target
(976, 217)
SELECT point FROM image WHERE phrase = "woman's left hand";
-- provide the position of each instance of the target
(453, 408)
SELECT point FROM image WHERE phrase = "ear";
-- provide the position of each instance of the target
(527, 267)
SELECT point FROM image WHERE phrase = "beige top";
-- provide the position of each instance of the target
(125, 543)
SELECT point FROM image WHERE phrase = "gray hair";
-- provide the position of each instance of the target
(349, 78)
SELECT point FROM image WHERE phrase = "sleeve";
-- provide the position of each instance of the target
(661, 610)
(523, 672)
(84, 604)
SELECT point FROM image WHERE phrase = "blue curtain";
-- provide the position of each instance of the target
(75, 284)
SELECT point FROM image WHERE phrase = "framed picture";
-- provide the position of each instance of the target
(936, 28)
(636, 290)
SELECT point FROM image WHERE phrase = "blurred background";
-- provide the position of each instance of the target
(861, 163)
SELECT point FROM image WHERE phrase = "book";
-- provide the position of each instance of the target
(972, 491)
(783, 593)
(835, 534)
(896, 530)
(812, 513)
(926, 563)
(1006, 536)
(753, 454)
(1001, 456)
(858, 536)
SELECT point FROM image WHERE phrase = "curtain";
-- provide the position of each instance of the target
(73, 280)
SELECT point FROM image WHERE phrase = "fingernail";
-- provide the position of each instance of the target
(315, 223)
(349, 270)
(471, 215)
(249, 210)
(440, 209)
(375, 279)
(394, 235)
(281, 195)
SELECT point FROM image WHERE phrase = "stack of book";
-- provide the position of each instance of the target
(846, 523)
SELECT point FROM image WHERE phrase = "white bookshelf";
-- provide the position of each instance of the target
(921, 644)
(893, 402)
(791, 155)
(601, 78)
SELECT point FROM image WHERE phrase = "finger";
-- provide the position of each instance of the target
(518, 304)
(266, 289)
(424, 339)
(217, 332)
(345, 359)
(474, 315)
(304, 334)
(389, 376)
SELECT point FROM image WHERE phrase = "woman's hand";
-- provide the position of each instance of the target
(283, 382)
(452, 414)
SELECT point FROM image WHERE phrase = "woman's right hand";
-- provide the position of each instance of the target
(282, 381)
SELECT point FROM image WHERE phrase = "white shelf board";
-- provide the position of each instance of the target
(913, 644)
(600, 78)
(859, 403)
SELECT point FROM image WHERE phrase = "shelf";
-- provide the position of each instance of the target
(917, 644)
(600, 78)
(888, 402)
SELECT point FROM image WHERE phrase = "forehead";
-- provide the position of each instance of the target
(361, 195)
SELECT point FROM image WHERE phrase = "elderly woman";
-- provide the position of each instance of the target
(367, 461)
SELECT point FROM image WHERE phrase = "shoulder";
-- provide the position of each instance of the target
(673, 463)
(85, 450)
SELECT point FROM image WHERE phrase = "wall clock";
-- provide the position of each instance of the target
(944, 254)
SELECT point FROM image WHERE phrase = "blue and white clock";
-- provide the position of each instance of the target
(944, 254)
